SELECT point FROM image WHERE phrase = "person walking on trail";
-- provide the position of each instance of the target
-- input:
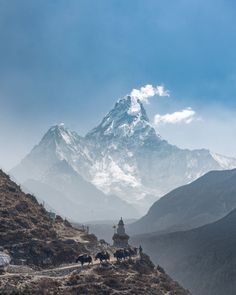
(140, 250)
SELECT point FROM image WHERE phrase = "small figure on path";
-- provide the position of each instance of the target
(140, 250)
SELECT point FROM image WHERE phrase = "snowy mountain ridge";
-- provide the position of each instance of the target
(122, 156)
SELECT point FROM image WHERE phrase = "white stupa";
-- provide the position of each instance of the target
(120, 238)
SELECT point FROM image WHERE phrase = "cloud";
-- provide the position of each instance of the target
(185, 116)
(148, 91)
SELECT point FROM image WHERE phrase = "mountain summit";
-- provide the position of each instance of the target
(128, 118)
(123, 156)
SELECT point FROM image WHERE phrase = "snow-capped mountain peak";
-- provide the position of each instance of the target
(133, 106)
(127, 118)
(64, 142)
(59, 133)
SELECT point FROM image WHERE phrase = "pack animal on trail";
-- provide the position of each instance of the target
(104, 255)
(119, 254)
(125, 253)
(84, 258)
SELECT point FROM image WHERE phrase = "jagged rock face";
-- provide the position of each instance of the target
(127, 120)
(27, 232)
(123, 156)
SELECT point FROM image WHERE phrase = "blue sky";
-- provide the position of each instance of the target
(69, 61)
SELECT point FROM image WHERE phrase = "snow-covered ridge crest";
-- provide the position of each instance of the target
(224, 161)
(122, 156)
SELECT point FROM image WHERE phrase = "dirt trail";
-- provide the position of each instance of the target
(70, 267)
(59, 271)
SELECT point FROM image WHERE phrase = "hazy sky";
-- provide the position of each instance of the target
(69, 61)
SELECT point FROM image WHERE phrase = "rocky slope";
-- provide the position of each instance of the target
(138, 277)
(205, 200)
(28, 233)
(202, 259)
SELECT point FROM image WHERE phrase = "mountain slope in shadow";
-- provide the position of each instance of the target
(202, 259)
(205, 200)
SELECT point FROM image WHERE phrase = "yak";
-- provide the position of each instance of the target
(119, 254)
(104, 255)
(125, 253)
(84, 258)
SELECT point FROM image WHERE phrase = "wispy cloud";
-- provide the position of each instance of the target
(145, 92)
(185, 116)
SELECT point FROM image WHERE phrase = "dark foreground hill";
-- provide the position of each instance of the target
(28, 233)
(205, 200)
(202, 259)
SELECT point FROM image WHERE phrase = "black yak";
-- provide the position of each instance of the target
(85, 258)
(104, 255)
(125, 253)
(119, 254)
